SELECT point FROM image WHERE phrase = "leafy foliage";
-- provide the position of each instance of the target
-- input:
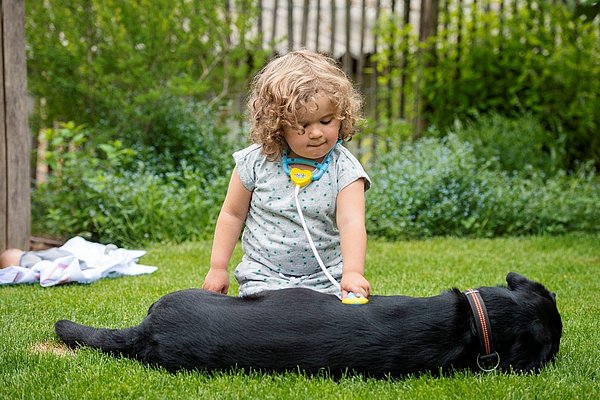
(108, 63)
(179, 133)
(151, 159)
(513, 144)
(439, 187)
(429, 188)
(538, 59)
(104, 195)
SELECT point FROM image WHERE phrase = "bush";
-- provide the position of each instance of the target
(439, 187)
(105, 196)
(513, 144)
(542, 60)
(428, 188)
(179, 132)
(96, 61)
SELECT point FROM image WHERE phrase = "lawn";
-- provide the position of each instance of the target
(34, 365)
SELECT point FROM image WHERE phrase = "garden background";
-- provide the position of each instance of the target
(481, 137)
(486, 126)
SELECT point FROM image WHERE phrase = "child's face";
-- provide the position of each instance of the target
(320, 130)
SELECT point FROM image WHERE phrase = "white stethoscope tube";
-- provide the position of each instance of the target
(312, 244)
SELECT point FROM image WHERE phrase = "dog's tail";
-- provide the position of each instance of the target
(114, 341)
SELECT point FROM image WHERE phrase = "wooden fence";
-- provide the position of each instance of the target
(347, 30)
(14, 134)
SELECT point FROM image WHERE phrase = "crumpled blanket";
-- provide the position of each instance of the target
(89, 262)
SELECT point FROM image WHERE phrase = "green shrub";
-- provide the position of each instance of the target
(538, 59)
(539, 205)
(428, 188)
(133, 208)
(439, 187)
(105, 196)
(178, 132)
(513, 144)
(96, 61)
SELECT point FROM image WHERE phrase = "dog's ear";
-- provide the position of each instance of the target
(516, 281)
(519, 282)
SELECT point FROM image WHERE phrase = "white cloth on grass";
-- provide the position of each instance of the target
(87, 263)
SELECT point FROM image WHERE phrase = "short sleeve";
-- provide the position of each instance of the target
(349, 170)
(245, 162)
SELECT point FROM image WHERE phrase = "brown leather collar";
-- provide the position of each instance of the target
(488, 359)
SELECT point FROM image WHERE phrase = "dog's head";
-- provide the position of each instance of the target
(526, 324)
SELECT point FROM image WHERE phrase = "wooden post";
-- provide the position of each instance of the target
(15, 144)
(427, 28)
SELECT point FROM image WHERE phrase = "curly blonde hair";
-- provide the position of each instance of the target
(284, 87)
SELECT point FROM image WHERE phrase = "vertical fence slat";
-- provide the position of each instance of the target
(347, 63)
(3, 150)
(390, 88)
(290, 24)
(317, 24)
(459, 43)
(304, 23)
(374, 75)
(259, 24)
(333, 23)
(274, 22)
(428, 27)
(361, 51)
(360, 67)
(403, 62)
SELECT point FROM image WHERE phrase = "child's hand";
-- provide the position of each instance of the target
(356, 283)
(217, 280)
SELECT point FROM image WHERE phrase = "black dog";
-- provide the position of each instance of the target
(300, 328)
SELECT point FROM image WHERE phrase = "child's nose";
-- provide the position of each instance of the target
(314, 132)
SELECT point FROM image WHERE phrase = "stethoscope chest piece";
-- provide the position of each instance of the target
(301, 177)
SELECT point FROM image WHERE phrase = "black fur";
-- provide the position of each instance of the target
(299, 328)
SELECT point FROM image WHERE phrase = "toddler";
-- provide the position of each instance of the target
(302, 106)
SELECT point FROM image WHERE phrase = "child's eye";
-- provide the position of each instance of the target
(326, 122)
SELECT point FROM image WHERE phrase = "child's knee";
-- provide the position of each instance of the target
(10, 257)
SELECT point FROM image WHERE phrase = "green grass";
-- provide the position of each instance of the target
(32, 364)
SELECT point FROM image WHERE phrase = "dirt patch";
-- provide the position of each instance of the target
(59, 349)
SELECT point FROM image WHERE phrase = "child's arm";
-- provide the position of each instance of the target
(351, 224)
(227, 232)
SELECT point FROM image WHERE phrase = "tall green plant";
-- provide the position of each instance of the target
(104, 63)
(538, 58)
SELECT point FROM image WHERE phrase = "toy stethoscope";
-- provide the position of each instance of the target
(301, 178)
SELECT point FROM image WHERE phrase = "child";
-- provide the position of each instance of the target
(300, 106)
